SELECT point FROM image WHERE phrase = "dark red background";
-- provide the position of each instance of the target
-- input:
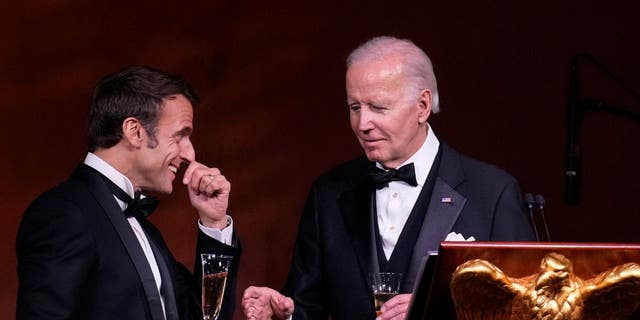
(274, 116)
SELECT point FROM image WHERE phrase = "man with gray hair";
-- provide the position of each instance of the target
(386, 211)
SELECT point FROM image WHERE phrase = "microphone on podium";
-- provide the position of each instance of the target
(540, 203)
(528, 200)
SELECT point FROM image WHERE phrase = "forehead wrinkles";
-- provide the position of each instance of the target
(375, 80)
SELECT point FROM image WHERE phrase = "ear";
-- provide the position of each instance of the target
(133, 133)
(424, 104)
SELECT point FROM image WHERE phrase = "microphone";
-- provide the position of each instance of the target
(540, 203)
(573, 156)
(528, 200)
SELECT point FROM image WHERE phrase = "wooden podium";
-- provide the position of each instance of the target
(515, 259)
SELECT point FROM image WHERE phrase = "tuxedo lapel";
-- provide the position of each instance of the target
(355, 206)
(170, 306)
(444, 208)
(103, 196)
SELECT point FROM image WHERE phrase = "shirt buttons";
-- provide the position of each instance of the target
(395, 195)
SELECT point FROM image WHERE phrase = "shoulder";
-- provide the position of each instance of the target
(57, 218)
(474, 171)
(67, 202)
(345, 175)
(64, 194)
(68, 193)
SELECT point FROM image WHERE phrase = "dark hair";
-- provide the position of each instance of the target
(136, 91)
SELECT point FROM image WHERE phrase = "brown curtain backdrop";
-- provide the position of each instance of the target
(273, 114)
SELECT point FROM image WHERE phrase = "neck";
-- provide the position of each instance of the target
(118, 159)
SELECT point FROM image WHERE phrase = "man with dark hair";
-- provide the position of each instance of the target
(85, 248)
(386, 211)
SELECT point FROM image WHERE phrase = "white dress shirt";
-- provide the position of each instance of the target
(395, 202)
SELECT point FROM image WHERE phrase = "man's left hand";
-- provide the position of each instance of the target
(396, 308)
(209, 194)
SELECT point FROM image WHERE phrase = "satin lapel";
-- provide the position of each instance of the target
(444, 208)
(355, 206)
(440, 218)
(102, 194)
(170, 306)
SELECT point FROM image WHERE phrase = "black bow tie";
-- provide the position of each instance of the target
(137, 206)
(140, 207)
(381, 178)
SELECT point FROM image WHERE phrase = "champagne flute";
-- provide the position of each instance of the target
(214, 280)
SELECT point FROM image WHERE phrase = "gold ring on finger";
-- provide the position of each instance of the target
(208, 183)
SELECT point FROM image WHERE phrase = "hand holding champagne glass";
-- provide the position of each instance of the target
(214, 279)
(385, 285)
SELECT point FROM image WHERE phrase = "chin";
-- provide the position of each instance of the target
(374, 156)
(164, 190)
(168, 190)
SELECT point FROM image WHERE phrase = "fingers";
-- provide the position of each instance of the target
(256, 303)
(264, 302)
(282, 306)
(256, 292)
(401, 316)
(201, 179)
(210, 184)
(396, 308)
(401, 299)
(256, 311)
(257, 308)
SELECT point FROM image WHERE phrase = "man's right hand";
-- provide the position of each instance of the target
(262, 303)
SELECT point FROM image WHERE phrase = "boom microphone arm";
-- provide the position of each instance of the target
(577, 106)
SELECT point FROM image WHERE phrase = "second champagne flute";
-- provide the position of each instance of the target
(215, 268)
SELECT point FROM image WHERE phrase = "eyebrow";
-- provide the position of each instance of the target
(186, 131)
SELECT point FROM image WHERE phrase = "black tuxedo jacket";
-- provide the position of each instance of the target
(334, 250)
(78, 258)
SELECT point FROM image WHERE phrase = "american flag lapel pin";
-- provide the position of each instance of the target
(446, 200)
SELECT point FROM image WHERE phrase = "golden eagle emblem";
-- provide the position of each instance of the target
(480, 291)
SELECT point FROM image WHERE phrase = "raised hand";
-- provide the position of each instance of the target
(209, 193)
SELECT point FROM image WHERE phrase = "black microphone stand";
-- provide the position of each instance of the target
(530, 202)
(540, 203)
(577, 106)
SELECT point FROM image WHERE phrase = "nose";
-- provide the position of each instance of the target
(187, 153)
(365, 123)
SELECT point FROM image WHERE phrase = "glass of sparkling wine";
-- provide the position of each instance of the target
(385, 285)
(214, 279)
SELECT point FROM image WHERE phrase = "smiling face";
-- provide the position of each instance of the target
(157, 162)
(387, 117)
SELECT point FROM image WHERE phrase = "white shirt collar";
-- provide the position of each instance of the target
(423, 158)
(110, 172)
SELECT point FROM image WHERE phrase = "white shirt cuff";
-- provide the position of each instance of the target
(223, 235)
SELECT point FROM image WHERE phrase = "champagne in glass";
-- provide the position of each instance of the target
(214, 280)
(380, 298)
(385, 285)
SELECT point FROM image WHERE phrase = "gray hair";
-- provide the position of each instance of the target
(416, 64)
